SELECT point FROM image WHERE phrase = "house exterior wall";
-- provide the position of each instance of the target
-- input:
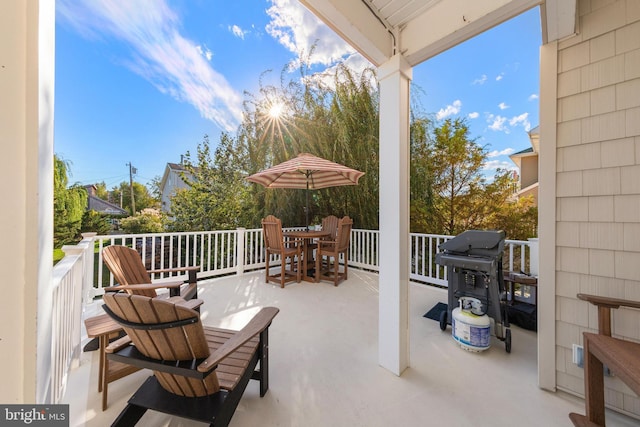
(598, 183)
(173, 183)
(528, 171)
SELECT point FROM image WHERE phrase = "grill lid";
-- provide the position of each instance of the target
(488, 243)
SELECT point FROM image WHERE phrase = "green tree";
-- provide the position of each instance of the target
(156, 191)
(449, 191)
(102, 192)
(216, 194)
(456, 166)
(143, 198)
(421, 190)
(148, 220)
(93, 221)
(69, 204)
(336, 118)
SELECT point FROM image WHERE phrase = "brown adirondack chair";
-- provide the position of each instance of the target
(128, 270)
(333, 249)
(200, 372)
(622, 357)
(287, 249)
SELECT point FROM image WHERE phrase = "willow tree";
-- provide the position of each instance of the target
(334, 116)
(69, 204)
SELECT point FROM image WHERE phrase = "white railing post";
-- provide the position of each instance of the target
(534, 257)
(240, 236)
(87, 280)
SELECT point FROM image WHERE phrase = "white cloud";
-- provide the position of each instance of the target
(205, 51)
(474, 115)
(499, 77)
(481, 80)
(493, 165)
(297, 29)
(503, 124)
(354, 62)
(497, 123)
(237, 31)
(533, 97)
(174, 64)
(522, 119)
(503, 106)
(496, 153)
(449, 110)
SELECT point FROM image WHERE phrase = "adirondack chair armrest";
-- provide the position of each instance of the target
(144, 286)
(175, 269)
(118, 344)
(608, 302)
(605, 304)
(256, 325)
(192, 303)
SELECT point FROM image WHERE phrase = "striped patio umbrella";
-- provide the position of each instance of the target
(306, 172)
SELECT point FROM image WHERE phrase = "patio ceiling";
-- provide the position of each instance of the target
(421, 29)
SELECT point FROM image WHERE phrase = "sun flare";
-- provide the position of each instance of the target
(276, 110)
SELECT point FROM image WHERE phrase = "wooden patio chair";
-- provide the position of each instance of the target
(128, 270)
(333, 249)
(200, 372)
(330, 224)
(622, 357)
(287, 249)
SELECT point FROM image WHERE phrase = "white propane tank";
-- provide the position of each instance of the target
(471, 331)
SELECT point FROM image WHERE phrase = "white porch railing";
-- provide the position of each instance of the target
(69, 277)
(221, 253)
(424, 247)
(81, 275)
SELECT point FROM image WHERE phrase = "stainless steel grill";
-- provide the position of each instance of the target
(474, 269)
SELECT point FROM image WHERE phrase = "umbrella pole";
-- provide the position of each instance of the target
(306, 211)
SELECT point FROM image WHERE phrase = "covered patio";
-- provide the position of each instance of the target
(324, 369)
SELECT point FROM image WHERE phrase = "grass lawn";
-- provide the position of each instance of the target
(57, 255)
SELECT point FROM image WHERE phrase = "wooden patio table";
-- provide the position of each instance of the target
(307, 237)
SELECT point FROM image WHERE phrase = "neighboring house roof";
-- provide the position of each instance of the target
(172, 167)
(97, 204)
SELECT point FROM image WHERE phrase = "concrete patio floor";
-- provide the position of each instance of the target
(324, 366)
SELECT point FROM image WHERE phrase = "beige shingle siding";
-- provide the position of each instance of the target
(598, 181)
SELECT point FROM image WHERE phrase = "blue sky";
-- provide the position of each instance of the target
(143, 81)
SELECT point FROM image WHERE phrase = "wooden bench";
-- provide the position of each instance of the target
(620, 356)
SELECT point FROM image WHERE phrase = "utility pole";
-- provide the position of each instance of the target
(132, 170)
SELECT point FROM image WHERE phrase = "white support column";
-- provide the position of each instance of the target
(547, 217)
(393, 337)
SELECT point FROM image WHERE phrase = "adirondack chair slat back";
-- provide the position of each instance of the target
(186, 342)
(127, 268)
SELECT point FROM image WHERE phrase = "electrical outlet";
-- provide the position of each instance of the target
(607, 372)
(578, 355)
